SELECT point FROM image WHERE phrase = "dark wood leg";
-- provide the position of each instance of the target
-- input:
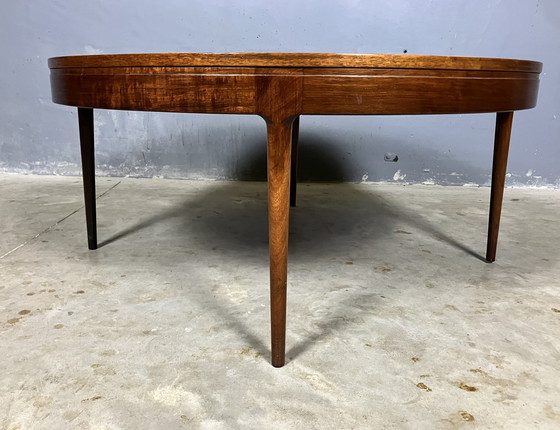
(279, 159)
(293, 175)
(85, 120)
(501, 149)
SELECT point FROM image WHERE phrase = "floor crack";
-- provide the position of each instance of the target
(49, 228)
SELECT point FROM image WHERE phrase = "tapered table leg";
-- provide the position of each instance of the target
(279, 159)
(501, 149)
(85, 120)
(293, 175)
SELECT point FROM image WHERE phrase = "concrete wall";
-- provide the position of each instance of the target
(37, 136)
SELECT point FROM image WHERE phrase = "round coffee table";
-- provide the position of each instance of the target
(280, 88)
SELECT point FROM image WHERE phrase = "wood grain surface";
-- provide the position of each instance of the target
(261, 59)
(326, 83)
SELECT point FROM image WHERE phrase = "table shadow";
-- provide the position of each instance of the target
(234, 218)
(230, 217)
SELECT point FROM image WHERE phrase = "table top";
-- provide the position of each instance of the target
(295, 83)
(298, 60)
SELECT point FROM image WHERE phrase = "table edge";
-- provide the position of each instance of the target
(296, 60)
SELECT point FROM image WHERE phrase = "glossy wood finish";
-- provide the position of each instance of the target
(504, 122)
(293, 167)
(279, 159)
(280, 88)
(332, 83)
(289, 60)
(85, 122)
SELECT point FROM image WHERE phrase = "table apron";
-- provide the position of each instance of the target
(344, 94)
(400, 95)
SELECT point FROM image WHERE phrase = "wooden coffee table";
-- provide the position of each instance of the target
(280, 88)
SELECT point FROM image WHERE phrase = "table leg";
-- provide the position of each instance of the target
(85, 120)
(501, 148)
(293, 176)
(279, 159)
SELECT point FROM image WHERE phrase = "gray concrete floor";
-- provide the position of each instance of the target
(394, 320)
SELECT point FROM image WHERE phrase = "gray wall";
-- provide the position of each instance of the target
(37, 136)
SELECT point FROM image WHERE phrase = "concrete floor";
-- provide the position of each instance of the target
(394, 321)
